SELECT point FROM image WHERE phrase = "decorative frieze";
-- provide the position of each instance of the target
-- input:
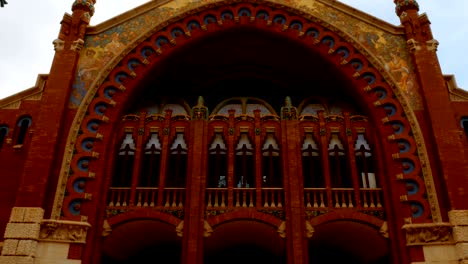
(425, 234)
(63, 231)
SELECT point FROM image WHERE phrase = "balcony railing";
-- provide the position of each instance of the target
(265, 198)
(321, 198)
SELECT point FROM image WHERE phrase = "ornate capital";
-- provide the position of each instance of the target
(423, 234)
(87, 5)
(200, 111)
(404, 5)
(288, 112)
(63, 231)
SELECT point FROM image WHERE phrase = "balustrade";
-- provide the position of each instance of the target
(272, 198)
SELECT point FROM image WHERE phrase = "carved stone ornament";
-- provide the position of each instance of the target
(180, 229)
(384, 230)
(207, 230)
(58, 44)
(282, 229)
(432, 45)
(77, 45)
(423, 234)
(413, 45)
(309, 230)
(63, 231)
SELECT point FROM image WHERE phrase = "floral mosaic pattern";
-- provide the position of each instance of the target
(389, 49)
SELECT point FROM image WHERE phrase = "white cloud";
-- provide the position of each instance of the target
(29, 27)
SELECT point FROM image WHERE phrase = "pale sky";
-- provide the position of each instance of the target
(27, 29)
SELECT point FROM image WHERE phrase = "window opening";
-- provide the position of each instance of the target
(364, 162)
(151, 162)
(3, 134)
(464, 124)
(244, 162)
(311, 167)
(337, 159)
(23, 126)
(271, 163)
(125, 161)
(177, 170)
(218, 162)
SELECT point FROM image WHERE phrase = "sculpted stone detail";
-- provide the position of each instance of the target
(384, 230)
(432, 45)
(77, 45)
(106, 228)
(63, 231)
(200, 111)
(58, 44)
(282, 229)
(309, 229)
(180, 229)
(422, 234)
(207, 230)
(413, 45)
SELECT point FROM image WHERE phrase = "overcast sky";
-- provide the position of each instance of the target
(27, 29)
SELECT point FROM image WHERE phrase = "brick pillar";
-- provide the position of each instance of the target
(295, 212)
(194, 232)
(45, 150)
(444, 131)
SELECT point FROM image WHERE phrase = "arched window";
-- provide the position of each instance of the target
(177, 167)
(151, 162)
(464, 124)
(245, 176)
(271, 163)
(3, 134)
(22, 128)
(217, 160)
(364, 162)
(311, 164)
(337, 158)
(124, 162)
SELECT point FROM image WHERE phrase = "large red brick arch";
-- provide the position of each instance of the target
(107, 99)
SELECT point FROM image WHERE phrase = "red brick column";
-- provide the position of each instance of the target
(440, 121)
(192, 243)
(50, 130)
(295, 212)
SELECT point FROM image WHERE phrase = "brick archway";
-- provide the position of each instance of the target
(108, 97)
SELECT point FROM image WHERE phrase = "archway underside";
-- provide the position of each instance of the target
(171, 57)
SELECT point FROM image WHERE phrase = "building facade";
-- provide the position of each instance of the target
(319, 134)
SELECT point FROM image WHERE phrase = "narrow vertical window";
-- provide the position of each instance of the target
(151, 162)
(3, 134)
(364, 162)
(124, 162)
(244, 162)
(22, 128)
(337, 160)
(177, 169)
(217, 169)
(464, 125)
(271, 163)
(311, 167)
